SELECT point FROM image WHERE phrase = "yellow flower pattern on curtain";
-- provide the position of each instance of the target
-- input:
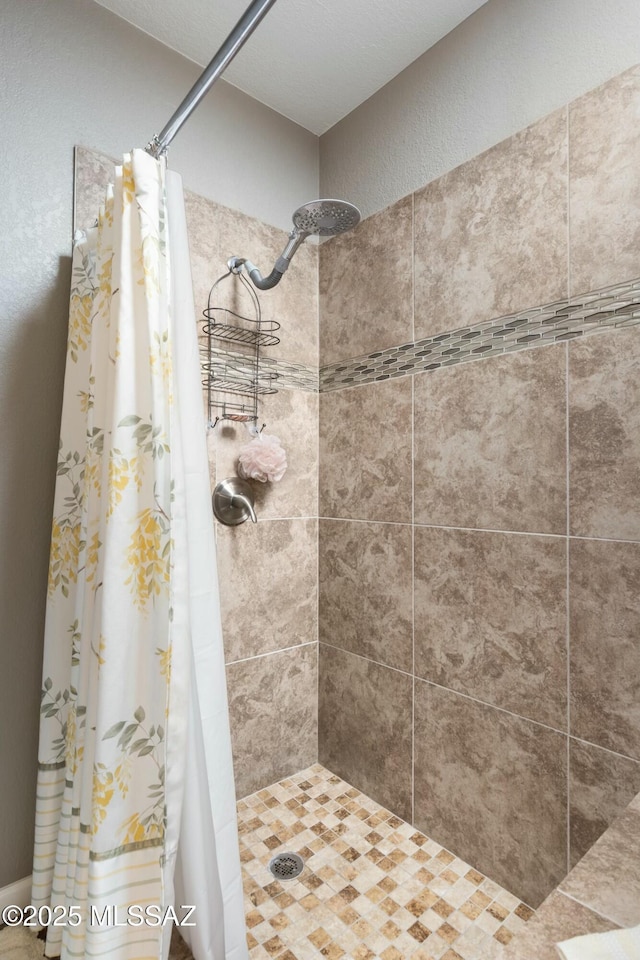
(101, 807)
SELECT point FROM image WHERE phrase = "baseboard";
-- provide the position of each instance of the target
(18, 893)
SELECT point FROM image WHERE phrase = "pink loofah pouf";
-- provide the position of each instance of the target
(263, 459)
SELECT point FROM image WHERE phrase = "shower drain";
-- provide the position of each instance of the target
(286, 866)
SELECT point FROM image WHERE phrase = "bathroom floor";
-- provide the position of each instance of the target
(372, 886)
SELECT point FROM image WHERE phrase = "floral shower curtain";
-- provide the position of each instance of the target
(135, 800)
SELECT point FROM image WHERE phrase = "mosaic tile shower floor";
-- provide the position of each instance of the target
(373, 886)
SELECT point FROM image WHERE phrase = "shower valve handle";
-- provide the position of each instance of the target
(233, 502)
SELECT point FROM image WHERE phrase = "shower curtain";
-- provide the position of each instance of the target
(135, 800)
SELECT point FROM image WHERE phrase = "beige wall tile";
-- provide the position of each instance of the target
(490, 622)
(292, 415)
(604, 585)
(273, 714)
(559, 918)
(491, 235)
(365, 452)
(203, 229)
(492, 788)
(365, 727)
(268, 585)
(604, 200)
(602, 784)
(366, 285)
(604, 435)
(366, 591)
(607, 879)
(490, 443)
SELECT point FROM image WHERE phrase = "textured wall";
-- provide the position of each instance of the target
(71, 72)
(510, 63)
(480, 531)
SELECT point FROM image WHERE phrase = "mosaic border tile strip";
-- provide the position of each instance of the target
(293, 376)
(373, 886)
(290, 376)
(605, 309)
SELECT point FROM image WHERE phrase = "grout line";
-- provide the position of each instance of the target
(493, 706)
(287, 519)
(568, 816)
(388, 523)
(378, 663)
(318, 700)
(316, 370)
(317, 519)
(574, 536)
(567, 607)
(413, 453)
(413, 604)
(567, 451)
(413, 750)
(590, 743)
(442, 526)
(413, 267)
(440, 686)
(516, 533)
(295, 388)
(588, 906)
(569, 284)
(271, 653)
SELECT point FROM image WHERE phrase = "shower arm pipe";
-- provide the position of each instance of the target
(235, 264)
(231, 46)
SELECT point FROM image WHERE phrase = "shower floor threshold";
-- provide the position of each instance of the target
(372, 886)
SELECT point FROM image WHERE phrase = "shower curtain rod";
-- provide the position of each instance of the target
(234, 42)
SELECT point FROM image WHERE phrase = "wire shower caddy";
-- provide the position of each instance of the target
(234, 381)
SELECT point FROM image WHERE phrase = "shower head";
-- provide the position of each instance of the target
(321, 218)
(326, 218)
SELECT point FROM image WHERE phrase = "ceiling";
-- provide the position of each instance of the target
(313, 61)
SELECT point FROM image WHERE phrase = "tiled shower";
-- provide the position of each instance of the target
(478, 564)
(439, 603)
